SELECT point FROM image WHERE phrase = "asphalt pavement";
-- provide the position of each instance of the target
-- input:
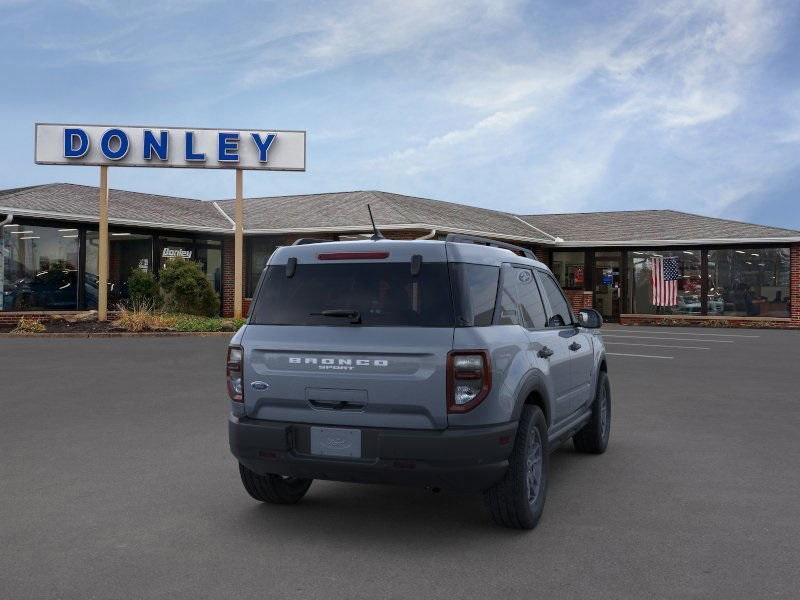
(116, 482)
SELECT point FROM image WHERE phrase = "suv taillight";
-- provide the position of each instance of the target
(469, 379)
(234, 373)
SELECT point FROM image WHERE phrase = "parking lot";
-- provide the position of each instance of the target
(116, 482)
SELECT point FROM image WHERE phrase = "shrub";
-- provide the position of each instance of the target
(143, 289)
(141, 317)
(186, 289)
(28, 325)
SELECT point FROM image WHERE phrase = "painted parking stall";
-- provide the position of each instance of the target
(666, 345)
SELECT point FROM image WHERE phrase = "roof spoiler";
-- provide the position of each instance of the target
(305, 241)
(481, 241)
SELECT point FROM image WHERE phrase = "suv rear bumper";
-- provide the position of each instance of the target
(465, 459)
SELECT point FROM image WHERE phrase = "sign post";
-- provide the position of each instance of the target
(176, 147)
(102, 255)
(238, 244)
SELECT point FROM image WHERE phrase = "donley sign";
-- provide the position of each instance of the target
(178, 147)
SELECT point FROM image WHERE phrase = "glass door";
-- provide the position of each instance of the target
(607, 284)
(209, 255)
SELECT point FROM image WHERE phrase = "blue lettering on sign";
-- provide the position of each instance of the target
(263, 145)
(71, 136)
(159, 146)
(190, 153)
(228, 142)
(122, 148)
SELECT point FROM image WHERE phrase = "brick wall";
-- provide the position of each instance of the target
(227, 276)
(12, 318)
(709, 321)
(579, 299)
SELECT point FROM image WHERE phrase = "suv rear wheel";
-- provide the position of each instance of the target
(274, 489)
(593, 437)
(517, 501)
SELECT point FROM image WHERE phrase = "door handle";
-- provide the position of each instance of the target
(545, 352)
(574, 346)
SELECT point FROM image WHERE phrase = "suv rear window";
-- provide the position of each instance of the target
(384, 294)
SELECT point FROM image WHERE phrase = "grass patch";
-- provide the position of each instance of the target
(193, 323)
(141, 317)
(144, 317)
(26, 325)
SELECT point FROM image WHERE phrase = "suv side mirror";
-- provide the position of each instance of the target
(590, 318)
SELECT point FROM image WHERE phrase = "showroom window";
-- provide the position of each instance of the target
(39, 268)
(748, 282)
(176, 247)
(258, 252)
(665, 282)
(569, 269)
(128, 251)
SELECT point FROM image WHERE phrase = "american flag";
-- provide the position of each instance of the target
(664, 277)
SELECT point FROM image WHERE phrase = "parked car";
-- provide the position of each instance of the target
(50, 289)
(452, 364)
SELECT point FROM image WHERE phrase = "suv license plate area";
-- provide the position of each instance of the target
(336, 441)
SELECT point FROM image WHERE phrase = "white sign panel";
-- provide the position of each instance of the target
(189, 148)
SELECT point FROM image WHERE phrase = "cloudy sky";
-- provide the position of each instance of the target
(522, 106)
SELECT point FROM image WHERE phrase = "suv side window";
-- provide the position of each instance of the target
(530, 300)
(560, 313)
(507, 298)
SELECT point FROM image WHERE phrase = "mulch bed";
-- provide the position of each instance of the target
(62, 326)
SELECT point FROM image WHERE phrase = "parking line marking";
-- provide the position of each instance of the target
(650, 337)
(736, 335)
(638, 355)
(658, 346)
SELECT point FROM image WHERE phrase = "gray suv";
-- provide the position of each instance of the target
(453, 364)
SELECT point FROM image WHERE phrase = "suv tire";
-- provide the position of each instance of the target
(274, 489)
(593, 437)
(517, 501)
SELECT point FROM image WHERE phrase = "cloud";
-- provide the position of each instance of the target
(474, 144)
(331, 38)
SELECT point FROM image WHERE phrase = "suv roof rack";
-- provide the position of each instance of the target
(304, 241)
(482, 241)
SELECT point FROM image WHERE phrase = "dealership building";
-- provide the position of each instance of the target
(721, 271)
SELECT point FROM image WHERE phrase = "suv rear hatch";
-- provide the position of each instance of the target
(351, 334)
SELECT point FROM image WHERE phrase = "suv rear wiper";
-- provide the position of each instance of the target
(353, 315)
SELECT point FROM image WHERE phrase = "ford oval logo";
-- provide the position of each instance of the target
(259, 385)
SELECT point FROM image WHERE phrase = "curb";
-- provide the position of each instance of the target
(120, 334)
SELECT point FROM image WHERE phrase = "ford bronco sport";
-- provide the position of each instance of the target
(453, 364)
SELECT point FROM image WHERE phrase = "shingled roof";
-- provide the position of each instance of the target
(347, 211)
(663, 226)
(79, 203)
